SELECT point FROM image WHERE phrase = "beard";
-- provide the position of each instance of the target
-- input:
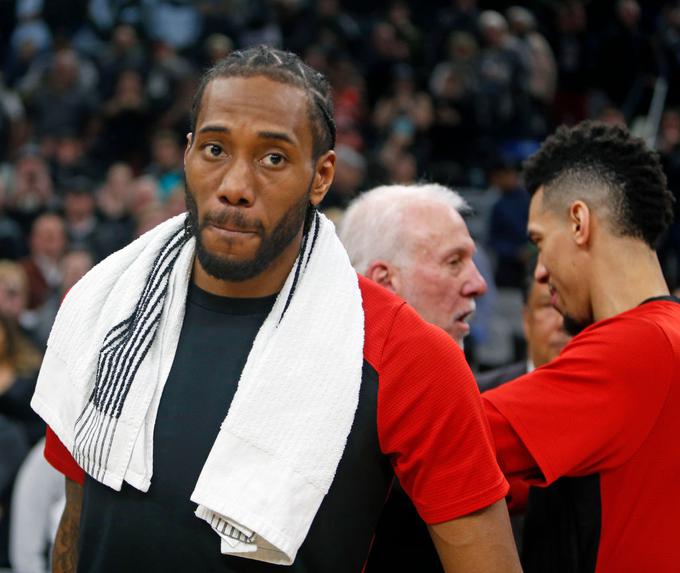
(271, 245)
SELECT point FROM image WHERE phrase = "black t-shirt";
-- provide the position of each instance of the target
(133, 531)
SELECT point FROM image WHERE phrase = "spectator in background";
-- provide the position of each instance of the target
(627, 86)
(75, 263)
(61, 96)
(47, 244)
(12, 120)
(459, 16)
(454, 128)
(216, 47)
(167, 162)
(123, 52)
(385, 51)
(30, 190)
(502, 97)
(12, 242)
(19, 365)
(507, 226)
(542, 68)
(668, 146)
(124, 119)
(115, 195)
(84, 229)
(574, 54)
(13, 291)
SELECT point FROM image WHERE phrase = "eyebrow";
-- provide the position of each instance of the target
(214, 128)
(278, 135)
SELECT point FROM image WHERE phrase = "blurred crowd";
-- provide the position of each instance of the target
(94, 109)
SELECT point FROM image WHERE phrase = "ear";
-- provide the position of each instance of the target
(580, 220)
(385, 274)
(190, 140)
(324, 171)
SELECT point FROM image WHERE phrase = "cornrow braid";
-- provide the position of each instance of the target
(592, 155)
(284, 67)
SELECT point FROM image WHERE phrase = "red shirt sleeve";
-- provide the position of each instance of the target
(513, 457)
(591, 408)
(61, 459)
(431, 422)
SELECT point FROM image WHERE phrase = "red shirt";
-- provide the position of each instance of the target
(608, 405)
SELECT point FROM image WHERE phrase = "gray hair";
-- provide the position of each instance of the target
(372, 227)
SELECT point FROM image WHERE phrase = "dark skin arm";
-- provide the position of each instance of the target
(480, 542)
(65, 550)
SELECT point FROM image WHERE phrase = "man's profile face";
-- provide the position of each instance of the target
(558, 265)
(543, 326)
(249, 173)
(438, 276)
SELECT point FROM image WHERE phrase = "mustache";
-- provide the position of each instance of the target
(232, 219)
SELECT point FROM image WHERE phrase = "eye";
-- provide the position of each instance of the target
(454, 262)
(213, 149)
(273, 160)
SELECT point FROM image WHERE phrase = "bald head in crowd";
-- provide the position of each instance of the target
(412, 240)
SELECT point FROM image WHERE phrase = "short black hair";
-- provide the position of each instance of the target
(284, 67)
(594, 156)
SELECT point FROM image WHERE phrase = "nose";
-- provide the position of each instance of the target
(475, 285)
(541, 274)
(236, 187)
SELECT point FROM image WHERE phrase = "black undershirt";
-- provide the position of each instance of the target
(132, 531)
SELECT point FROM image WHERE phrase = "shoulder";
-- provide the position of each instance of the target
(391, 326)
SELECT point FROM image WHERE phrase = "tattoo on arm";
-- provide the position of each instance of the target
(65, 550)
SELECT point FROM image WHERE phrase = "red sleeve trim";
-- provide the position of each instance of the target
(61, 459)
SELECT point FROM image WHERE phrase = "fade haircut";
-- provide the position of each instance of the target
(373, 226)
(614, 172)
(286, 68)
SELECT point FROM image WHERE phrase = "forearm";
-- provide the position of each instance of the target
(65, 550)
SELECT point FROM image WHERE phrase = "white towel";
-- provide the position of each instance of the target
(275, 457)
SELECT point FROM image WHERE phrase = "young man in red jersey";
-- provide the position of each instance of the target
(599, 424)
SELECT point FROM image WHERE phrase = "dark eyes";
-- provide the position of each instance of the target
(273, 159)
(214, 150)
(269, 160)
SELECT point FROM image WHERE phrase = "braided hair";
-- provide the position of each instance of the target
(611, 169)
(284, 67)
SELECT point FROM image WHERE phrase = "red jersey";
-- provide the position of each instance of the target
(608, 407)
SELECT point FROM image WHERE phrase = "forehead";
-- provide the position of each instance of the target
(257, 103)
(438, 227)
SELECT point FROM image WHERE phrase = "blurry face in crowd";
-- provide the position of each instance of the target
(250, 178)
(13, 294)
(48, 237)
(558, 266)
(439, 278)
(73, 267)
(543, 326)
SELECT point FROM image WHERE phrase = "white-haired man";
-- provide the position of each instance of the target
(412, 240)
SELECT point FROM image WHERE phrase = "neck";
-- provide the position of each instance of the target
(630, 275)
(268, 282)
